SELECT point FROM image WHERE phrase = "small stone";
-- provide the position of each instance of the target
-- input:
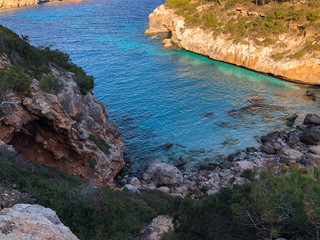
(176, 195)
(225, 173)
(167, 42)
(131, 189)
(168, 45)
(169, 144)
(212, 191)
(315, 149)
(240, 166)
(225, 165)
(135, 182)
(164, 189)
(181, 161)
(311, 94)
(122, 182)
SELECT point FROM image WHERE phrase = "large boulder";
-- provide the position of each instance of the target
(311, 136)
(315, 149)
(240, 166)
(312, 119)
(25, 221)
(157, 229)
(290, 156)
(162, 174)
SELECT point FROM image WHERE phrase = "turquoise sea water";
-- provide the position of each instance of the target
(155, 94)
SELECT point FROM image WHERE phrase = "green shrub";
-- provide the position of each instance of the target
(92, 163)
(280, 55)
(314, 15)
(36, 61)
(15, 79)
(291, 120)
(90, 213)
(50, 84)
(284, 204)
(101, 144)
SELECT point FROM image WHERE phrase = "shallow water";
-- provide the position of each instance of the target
(155, 94)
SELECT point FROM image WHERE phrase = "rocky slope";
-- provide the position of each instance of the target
(65, 127)
(24, 221)
(246, 54)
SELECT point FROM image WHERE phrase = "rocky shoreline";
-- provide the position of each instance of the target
(299, 147)
(248, 55)
(9, 4)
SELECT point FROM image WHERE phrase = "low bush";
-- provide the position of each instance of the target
(15, 79)
(101, 144)
(90, 213)
(50, 84)
(36, 61)
(284, 204)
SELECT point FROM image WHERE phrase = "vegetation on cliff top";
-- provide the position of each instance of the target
(31, 62)
(261, 20)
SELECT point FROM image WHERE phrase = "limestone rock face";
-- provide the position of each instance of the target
(249, 55)
(17, 3)
(25, 221)
(66, 129)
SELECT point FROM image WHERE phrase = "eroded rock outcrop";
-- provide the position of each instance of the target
(67, 129)
(55, 121)
(24, 221)
(248, 55)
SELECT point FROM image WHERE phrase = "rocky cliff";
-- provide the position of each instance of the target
(246, 53)
(7, 4)
(55, 120)
(24, 221)
(4, 4)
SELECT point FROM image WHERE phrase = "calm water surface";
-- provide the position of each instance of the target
(155, 94)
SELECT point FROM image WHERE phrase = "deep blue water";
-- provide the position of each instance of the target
(155, 94)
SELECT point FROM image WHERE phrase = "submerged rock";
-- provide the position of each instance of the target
(207, 115)
(168, 144)
(311, 94)
(25, 221)
(255, 109)
(256, 99)
(181, 161)
(235, 113)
